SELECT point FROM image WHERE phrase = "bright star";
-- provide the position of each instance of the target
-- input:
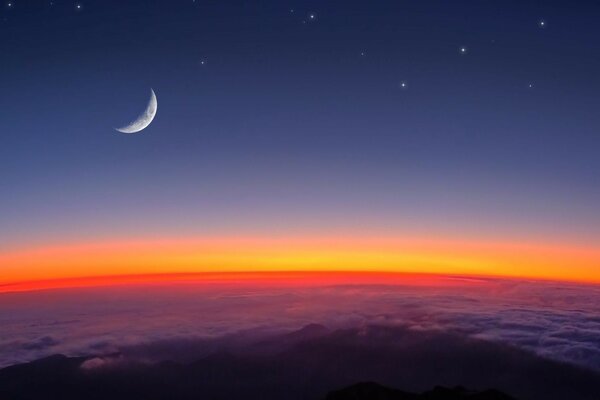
(542, 23)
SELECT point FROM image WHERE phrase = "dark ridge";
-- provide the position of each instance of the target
(375, 391)
(370, 391)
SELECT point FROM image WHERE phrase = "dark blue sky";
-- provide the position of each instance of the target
(296, 125)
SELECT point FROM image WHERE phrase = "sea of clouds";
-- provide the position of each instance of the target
(554, 320)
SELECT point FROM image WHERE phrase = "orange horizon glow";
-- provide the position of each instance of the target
(114, 261)
(252, 279)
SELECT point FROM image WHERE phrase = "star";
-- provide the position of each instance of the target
(403, 85)
(463, 50)
(362, 53)
(78, 6)
(312, 17)
(542, 24)
(9, 5)
(530, 85)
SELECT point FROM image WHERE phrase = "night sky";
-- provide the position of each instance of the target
(448, 118)
(374, 190)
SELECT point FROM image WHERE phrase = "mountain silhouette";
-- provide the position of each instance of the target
(375, 391)
(304, 365)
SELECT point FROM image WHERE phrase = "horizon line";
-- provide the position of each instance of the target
(282, 278)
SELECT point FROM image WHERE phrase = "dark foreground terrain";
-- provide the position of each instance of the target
(374, 391)
(306, 364)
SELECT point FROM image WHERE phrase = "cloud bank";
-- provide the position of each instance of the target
(556, 321)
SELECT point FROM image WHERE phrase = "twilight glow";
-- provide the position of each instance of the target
(301, 254)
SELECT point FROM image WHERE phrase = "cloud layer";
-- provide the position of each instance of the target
(556, 321)
(300, 365)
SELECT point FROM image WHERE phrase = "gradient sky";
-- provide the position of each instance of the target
(272, 123)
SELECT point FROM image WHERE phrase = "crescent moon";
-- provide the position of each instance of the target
(144, 119)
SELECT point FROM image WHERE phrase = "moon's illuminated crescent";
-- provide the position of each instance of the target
(144, 119)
